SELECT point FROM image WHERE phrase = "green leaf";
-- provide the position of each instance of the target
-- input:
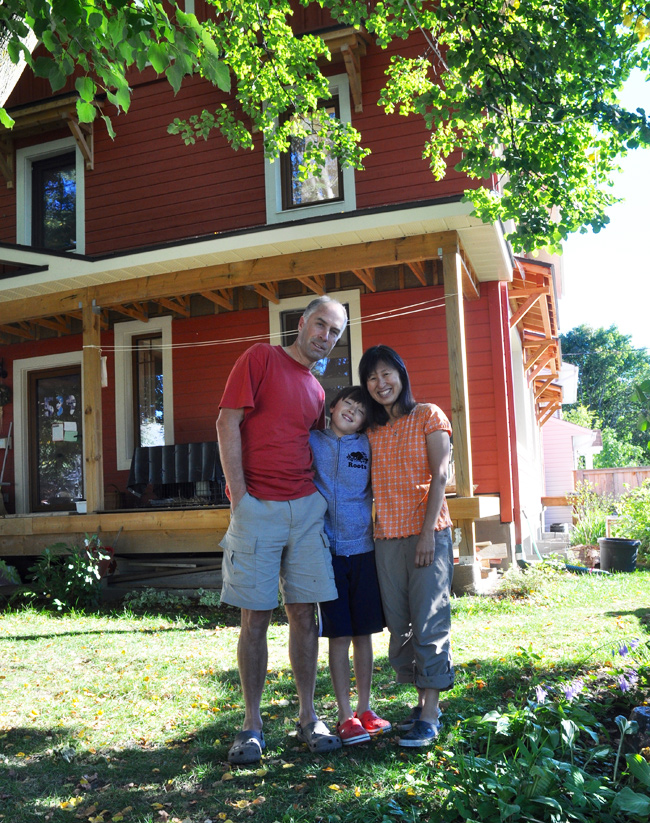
(631, 802)
(43, 66)
(175, 76)
(86, 88)
(639, 768)
(109, 126)
(57, 78)
(217, 72)
(95, 20)
(86, 111)
(5, 119)
(158, 57)
(14, 48)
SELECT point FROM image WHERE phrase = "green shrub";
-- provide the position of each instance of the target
(591, 510)
(634, 517)
(9, 573)
(66, 577)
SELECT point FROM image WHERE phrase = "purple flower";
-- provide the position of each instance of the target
(635, 643)
(628, 680)
(623, 650)
(540, 694)
(571, 690)
(623, 684)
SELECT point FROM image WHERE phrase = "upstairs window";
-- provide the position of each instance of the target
(325, 187)
(50, 194)
(330, 192)
(54, 203)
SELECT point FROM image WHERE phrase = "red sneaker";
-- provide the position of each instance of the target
(352, 732)
(374, 724)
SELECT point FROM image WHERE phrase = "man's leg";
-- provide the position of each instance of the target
(252, 657)
(303, 655)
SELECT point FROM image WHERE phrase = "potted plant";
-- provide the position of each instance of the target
(630, 538)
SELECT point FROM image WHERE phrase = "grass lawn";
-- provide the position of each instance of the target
(117, 716)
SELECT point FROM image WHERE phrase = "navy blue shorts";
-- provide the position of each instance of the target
(357, 610)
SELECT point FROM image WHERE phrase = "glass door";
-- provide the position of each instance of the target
(55, 439)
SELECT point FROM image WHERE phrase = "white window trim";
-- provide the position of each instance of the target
(22, 368)
(24, 160)
(124, 423)
(351, 297)
(339, 86)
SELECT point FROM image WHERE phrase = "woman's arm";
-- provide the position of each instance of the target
(438, 457)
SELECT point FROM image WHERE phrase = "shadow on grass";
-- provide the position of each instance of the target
(47, 774)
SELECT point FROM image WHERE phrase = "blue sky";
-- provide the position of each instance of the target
(607, 275)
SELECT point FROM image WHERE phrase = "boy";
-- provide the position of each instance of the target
(342, 476)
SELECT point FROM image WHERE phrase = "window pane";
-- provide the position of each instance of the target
(325, 186)
(334, 372)
(54, 197)
(148, 377)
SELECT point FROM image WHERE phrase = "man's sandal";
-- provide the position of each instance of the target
(318, 737)
(247, 748)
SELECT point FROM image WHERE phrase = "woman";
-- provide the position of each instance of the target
(410, 455)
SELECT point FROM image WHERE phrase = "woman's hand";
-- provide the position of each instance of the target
(425, 550)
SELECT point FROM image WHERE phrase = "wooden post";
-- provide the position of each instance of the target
(457, 355)
(92, 408)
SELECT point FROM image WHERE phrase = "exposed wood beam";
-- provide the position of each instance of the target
(543, 386)
(57, 324)
(103, 317)
(18, 331)
(228, 275)
(83, 136)
(527, 291)
(547, 412)
(315, 284)
(135, 310)
(353, 68)
(539, 351)
(7, 162)
(542, 364)
(525, 307)
(367, 277)
(471, 287)
(268, 290)
(168, 303)
(92, 410)
(222, 297)
(417, 268)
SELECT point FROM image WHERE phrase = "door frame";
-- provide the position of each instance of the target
(21, 370)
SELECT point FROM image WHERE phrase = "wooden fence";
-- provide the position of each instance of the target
(613, 481)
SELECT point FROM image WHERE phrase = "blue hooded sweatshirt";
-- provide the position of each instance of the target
(342, 476)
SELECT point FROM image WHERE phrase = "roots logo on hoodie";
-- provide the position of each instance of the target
(357, 460)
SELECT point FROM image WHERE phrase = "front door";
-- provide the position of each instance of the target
(55, 439)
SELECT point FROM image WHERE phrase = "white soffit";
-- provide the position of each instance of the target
(483, 243)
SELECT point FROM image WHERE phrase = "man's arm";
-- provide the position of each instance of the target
(230, 452)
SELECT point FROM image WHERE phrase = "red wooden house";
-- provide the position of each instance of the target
(118, 326)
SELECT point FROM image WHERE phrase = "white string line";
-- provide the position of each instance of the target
(387, 314)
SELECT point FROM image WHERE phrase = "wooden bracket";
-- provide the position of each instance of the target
(548, 411)
(181, 307)
(270, 291)
(58, 324)
(135, 310)
(367, 277)
(315, 283)
(83, 135)
(417, 267)
(7, 168)
(471, 286)
(19, 331)
(221, 297)
(353, 68)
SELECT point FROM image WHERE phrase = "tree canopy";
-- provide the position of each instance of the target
(610, 370)
(528, 91)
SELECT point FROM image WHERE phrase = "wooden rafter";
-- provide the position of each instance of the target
(57, 324)
(270, 291)
(221, 297)
(179, 306)
(541, 365)
(135, 310)
(21, 330)
(315, 284)
(539, 351)
(417, 267)
(547, 412)
(525, 307)
(367, 277)
(471, 287)
(541, 388)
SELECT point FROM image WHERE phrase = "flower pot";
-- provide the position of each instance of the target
(81, 506)
(618, 554)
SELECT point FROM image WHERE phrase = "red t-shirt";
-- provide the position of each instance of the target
(282, 402)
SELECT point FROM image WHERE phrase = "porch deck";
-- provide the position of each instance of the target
(160, 531)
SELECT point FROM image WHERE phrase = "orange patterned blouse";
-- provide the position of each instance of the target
(400, 472)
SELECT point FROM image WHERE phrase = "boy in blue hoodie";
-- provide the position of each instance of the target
(342, 476)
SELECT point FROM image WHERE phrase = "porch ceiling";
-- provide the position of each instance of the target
(483, 245)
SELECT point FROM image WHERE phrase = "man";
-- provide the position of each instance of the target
(276, 533)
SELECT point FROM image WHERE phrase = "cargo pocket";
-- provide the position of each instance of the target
(328, 552)
(239, 566)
